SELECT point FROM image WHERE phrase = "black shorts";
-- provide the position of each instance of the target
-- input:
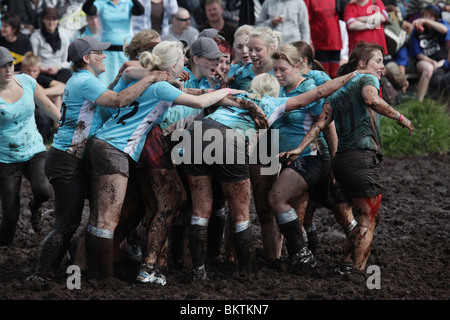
(64, 165)
(229, 166)
(326, 194)
(103, 158)
(312, 168)
(358, 173)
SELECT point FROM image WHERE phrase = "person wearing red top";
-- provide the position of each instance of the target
(324, 16)
(365, 20)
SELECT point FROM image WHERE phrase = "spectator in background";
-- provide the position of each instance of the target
(115, 18)
(327, 45)
(51, 45)
(428, 45)
(181, 28)
(289, 17)
(12, 39)
(414, 8)
(156, 16)
(52, 88)
(365, 19)
(214, 14)
(24, 10)
(93, 27)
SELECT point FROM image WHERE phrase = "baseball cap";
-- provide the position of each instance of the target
(435, 9)
(5, 56)
(82, 46)
(206, 47)
(169, 37)
(50, 13)
(211, 33)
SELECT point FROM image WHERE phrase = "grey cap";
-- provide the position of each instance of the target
(5, 56)
(169, 37)
(206, 47)
(211, 33)
(82, 46)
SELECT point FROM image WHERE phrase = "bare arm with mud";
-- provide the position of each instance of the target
(326, 117)
(377, 104)
(318, 93)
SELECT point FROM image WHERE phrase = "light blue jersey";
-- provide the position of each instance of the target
(80, 117)
(193, 83)
(244, 76)
(127, 129)
(239, 119)
(116, 28)
(319, 77)
(295, 124)
(20, 139)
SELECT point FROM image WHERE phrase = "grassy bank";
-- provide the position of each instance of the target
(431, 133)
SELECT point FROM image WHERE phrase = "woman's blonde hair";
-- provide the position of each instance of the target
(271, 37)
(262, 84)
(163, 57)
(242, 30)
(144, 40)
(289, 53)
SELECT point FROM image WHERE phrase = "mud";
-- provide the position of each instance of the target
(411, 252)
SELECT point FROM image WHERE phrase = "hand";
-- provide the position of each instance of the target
(235, 91)
(277, 20)
(256, 113)
(290, 155)
(184, 76)
(404, 122)
(52, 70)
(160, 75)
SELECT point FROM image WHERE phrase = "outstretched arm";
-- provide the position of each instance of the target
(326, 117)
(377, 104)
(318, 93)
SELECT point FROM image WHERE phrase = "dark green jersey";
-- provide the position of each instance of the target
(357, 125)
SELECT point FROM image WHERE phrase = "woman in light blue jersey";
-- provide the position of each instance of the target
(356, 110)
(262, 43)
(229, 122)
(115, 17)
(240, 46)
(119, 141)
(22, 151)
(81, 116)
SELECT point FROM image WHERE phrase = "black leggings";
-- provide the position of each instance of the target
(69, 180)
(10, 184)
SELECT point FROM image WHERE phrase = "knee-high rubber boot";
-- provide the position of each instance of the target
(198, 237)
(216, 227)
(100, 255)
(243, 246)
(291, 228)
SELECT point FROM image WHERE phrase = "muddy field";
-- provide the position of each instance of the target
(411, 249)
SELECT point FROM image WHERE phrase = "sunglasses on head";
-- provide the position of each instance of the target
(179, 19)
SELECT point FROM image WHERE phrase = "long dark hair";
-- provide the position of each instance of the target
(307, 52)
(363, 51)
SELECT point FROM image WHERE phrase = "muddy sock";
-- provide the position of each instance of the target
(243, 245)
(198, 237)
(216, 227)
(100, 252)
(291, 228)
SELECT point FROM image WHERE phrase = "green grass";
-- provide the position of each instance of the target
(431, 133)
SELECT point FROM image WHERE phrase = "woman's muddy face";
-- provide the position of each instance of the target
(241, 48)
(258, 51)
(207, 66)
(376, 65)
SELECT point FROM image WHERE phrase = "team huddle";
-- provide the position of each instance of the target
(182, 141)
